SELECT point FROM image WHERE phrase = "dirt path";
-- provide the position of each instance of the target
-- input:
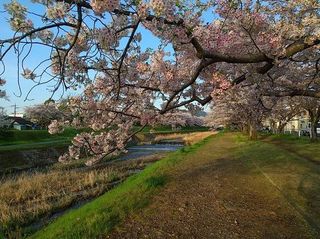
(214, 195)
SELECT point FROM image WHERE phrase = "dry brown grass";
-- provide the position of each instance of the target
(26, 197)
(188, 138)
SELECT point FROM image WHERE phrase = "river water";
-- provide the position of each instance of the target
(138, 151)
(134, 152)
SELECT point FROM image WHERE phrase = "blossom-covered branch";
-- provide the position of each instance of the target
(101, 47)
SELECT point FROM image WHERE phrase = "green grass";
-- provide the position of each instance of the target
(101, 215)
(290, 165)
(35, 139)
(302, 147)
(11, 137)
(281, 172)
(57, 142)
(16, 140)
(13, 142)
(289, 137)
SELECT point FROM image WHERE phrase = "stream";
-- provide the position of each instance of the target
(26, 159)
(138, 151)
(134, 153)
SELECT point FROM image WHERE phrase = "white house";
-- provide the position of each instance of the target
(16, 123)
(300, 125)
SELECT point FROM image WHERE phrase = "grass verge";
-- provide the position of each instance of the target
(264, 168)
(15, 137)
(101, 215)
(290, 166)
(302, 147)
(30, 197)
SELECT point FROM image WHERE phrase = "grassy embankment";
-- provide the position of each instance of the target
(287, 176)
(26, 197)
(34, 139)
(14, 143)
(103, 213)
(186, 138)
(302, 147)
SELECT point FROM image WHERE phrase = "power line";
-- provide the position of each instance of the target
(15, 107)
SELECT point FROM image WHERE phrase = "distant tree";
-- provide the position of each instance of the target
(242, 107)
(44, 114)
(312, 105)
(99, 46)
(3, 93)
(181, 119)
(283, 110)
(3, 118)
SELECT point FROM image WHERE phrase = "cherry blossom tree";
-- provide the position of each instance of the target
(241, 107)
(181, 119)
(3, 93)
(44, 114)
(312, 106)
(283, 110)
(99, 45)
(3, 116)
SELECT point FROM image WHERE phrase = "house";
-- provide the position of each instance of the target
(19, 123)
(300, 125)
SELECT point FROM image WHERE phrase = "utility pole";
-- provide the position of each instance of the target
(15, 109)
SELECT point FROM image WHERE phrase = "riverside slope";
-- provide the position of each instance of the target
(224, 187)
(233, 188)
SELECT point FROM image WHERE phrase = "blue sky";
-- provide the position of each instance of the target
(41, 93)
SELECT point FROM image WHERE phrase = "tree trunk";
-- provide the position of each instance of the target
(280, 129)
(313, 130)
(314, 118)
(273, 127)
(253, 133)
(244, 129)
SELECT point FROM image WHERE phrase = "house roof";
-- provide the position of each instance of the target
(19, 120)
